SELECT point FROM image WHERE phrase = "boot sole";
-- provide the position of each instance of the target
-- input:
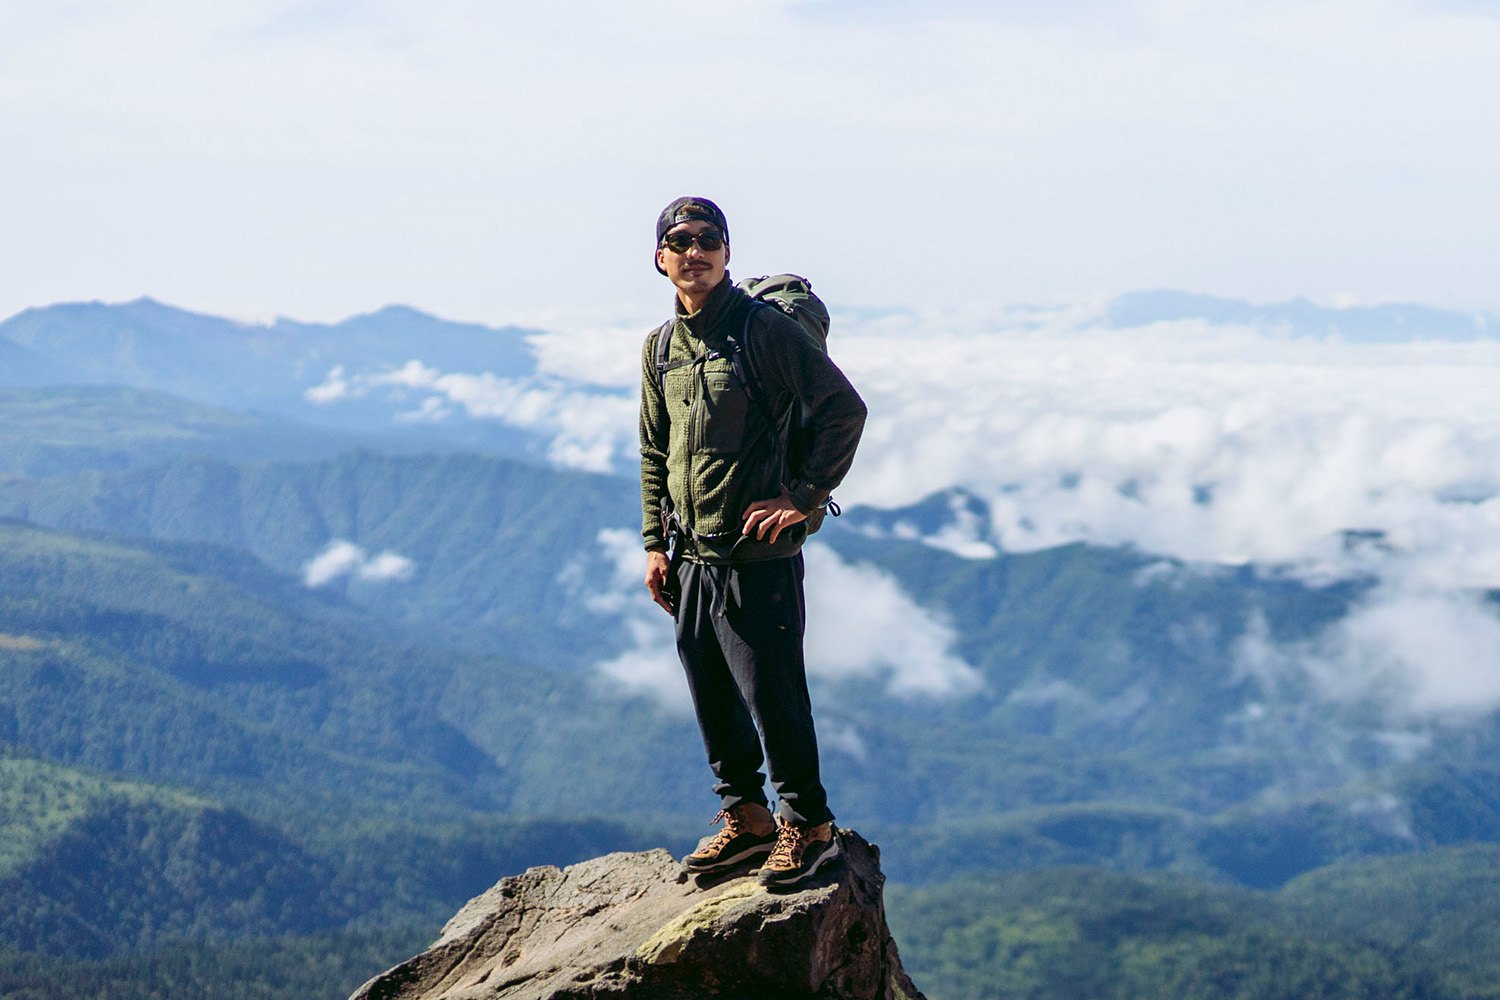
(778, 880)
(725, 864)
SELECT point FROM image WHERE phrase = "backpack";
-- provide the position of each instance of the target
(793, 295)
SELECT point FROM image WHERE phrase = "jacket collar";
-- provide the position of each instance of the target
(704, 323)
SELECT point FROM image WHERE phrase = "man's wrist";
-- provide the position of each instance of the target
(806, 498)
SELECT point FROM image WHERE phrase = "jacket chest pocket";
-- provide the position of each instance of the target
(719, 420)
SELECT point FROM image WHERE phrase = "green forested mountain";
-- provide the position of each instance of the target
(326, 762)
(49, 431)
(206, 747)
(1109, 676)
(390, 764)
(194, 663)
(488, 537)
(93, 865)
(325, 966)
(1410, 927)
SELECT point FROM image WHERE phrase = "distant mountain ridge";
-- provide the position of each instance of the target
(217, 361)
(1377, 324)
(349, 374)
(54, 430)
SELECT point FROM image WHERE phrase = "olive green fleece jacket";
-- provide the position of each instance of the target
(707, 451)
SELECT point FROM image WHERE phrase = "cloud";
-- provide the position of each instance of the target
(332, 388)
(650, 665)
(861, 625)
(344, 558)
(1411, 655)
(588, 428)
(1210, 444)
(1218, 444)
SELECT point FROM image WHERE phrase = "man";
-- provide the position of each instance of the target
(714, 483)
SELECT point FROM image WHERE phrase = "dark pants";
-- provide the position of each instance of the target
(739, 633)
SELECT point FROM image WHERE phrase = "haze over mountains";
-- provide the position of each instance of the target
(1180, 583)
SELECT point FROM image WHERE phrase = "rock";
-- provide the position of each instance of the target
(635, 927)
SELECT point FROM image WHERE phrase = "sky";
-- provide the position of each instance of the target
(504, 162)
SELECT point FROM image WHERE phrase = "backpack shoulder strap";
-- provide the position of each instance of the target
(663, 352)
(742, 358)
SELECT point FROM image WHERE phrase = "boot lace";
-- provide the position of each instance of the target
(726, 833)
(790, 842)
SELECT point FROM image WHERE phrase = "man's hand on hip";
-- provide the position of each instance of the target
(657, 568)
(774, 515)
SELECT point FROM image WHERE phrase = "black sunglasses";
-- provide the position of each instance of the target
(708, 241)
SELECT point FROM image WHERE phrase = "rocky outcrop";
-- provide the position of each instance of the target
(634, 926)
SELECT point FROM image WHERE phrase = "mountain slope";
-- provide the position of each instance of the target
(1386, 323)
(488, 538)
(90, 862)
(209, 359)
(50, 431)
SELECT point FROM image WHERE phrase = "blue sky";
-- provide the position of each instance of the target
(504, 161)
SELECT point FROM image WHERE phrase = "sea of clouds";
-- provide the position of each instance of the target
(1209, 444)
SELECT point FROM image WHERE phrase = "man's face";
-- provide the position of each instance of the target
(695, 271)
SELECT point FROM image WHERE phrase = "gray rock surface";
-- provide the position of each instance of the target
(634, 926)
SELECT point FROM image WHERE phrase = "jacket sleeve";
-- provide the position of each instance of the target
(786, 357)
(654, 440)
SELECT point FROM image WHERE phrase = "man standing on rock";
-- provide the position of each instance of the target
(715, 483)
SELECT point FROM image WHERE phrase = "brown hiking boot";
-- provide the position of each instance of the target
(799, 852)
(747, 835)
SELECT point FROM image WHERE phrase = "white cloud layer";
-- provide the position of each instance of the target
(588, 429)
(860, 625)
(1206, 443)
(344, 558)
(1414, 655)
(1218, 445)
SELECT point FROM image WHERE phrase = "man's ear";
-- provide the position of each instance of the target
(726, 254)
(661, 253)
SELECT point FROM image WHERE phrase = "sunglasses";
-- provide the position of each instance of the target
(708, 242)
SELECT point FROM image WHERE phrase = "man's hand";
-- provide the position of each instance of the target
(774, 515)
(657, 568)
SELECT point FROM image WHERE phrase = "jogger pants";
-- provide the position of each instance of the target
(739, 634)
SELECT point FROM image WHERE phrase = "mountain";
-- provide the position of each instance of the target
(392, 775)
(198, 664)
(267, 368)
(50, 431)
(1400, 927)
(1102, 676)
(1387, 323)
(19, 366)
(96, 866)
(270, 667)
(89, 861)
(151, 345)
(488, 539)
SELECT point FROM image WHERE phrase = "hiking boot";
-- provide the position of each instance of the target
(799, 852)
(737, 842)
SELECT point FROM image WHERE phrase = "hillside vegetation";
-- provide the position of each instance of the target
(223, 774)
(1415, 927)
